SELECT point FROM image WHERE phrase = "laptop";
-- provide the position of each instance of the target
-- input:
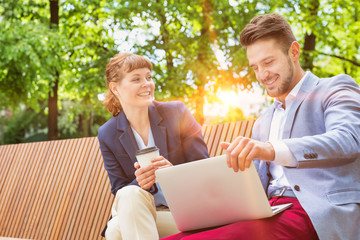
(206, 193)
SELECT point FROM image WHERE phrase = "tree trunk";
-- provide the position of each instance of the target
(309, 47)
(199, 106)
(53, 111)
(209, 38)
(52, 120)
(310, 38)
(84, 124)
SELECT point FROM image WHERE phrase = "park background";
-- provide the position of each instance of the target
(53, 56)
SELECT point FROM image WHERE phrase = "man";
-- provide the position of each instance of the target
(306, 146)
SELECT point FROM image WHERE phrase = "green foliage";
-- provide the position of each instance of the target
(336, 25)
(25, 10)
(29, 54)
(183, 39)
(234, 114)
(84, 24)
(194, 46)
(26, 125)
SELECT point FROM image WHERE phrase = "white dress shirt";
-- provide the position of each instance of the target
(151, 143)
(283, 156)
(140, 142)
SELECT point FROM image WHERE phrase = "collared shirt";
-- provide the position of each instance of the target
(159, 199)
(140, 142)
(283, 156)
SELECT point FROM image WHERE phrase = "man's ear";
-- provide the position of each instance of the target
(294, 51)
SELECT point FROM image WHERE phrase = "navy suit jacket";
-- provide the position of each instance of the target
(176, 134)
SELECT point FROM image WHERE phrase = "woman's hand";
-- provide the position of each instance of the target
(145, 176)
(161, 162)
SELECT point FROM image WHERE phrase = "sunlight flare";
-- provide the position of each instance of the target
(227, 97)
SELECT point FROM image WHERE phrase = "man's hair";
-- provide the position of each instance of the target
(268, 26)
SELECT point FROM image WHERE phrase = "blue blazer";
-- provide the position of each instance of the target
(175, 131)
(322, 131)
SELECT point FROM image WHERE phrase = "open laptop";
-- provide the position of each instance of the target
(206, 193)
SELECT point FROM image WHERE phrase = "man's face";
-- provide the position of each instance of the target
(273, 68)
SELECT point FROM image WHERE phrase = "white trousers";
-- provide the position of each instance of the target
(134, 216)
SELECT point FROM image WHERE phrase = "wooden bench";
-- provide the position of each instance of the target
(60, 189)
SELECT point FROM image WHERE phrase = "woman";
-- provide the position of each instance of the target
(140, 122)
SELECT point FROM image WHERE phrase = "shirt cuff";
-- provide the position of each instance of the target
(283, 156)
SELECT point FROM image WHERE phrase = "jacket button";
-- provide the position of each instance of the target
(297, 188)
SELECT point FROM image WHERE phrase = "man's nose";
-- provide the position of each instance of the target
(263, 74)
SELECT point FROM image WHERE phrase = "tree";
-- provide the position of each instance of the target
(53, 93)
(65, 62)
(194, 46)
(183, 39)
(29, 56)
(84, 23)
(329, 32)
(310, 37)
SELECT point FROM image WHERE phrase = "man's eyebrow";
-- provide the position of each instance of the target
(267, 58)
(262, 60)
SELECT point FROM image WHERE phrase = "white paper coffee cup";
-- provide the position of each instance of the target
(144, 156)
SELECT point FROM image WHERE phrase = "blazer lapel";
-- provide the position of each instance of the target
(309, 82)
(159, 132)
(127, 138)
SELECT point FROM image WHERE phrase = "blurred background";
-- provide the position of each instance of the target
(53, 56)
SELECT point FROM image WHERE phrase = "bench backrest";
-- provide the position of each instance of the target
(60, 189)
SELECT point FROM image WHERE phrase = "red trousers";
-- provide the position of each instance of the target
(292, 224)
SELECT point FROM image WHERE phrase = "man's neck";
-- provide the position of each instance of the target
(299, 74)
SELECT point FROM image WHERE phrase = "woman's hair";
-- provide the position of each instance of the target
(268, 26)
(116, 69)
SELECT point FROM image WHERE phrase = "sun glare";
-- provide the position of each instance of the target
(227, 97)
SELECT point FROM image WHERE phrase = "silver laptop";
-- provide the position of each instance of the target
(206, 193)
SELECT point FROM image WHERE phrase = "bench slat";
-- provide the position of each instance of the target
(15, 189)
(43, 210)
(60, 189)
(222, 138)
(216, 140)
(33, 175)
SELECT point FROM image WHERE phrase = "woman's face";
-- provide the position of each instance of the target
(136, 89)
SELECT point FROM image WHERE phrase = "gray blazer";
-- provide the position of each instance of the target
(322, 132)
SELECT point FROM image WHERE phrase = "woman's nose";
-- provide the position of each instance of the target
(145, 83)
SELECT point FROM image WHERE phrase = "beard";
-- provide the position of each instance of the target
(286, 83)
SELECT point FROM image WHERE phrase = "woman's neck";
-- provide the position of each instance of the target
(139, 121)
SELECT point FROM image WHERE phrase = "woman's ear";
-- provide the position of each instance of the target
(112, 87)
